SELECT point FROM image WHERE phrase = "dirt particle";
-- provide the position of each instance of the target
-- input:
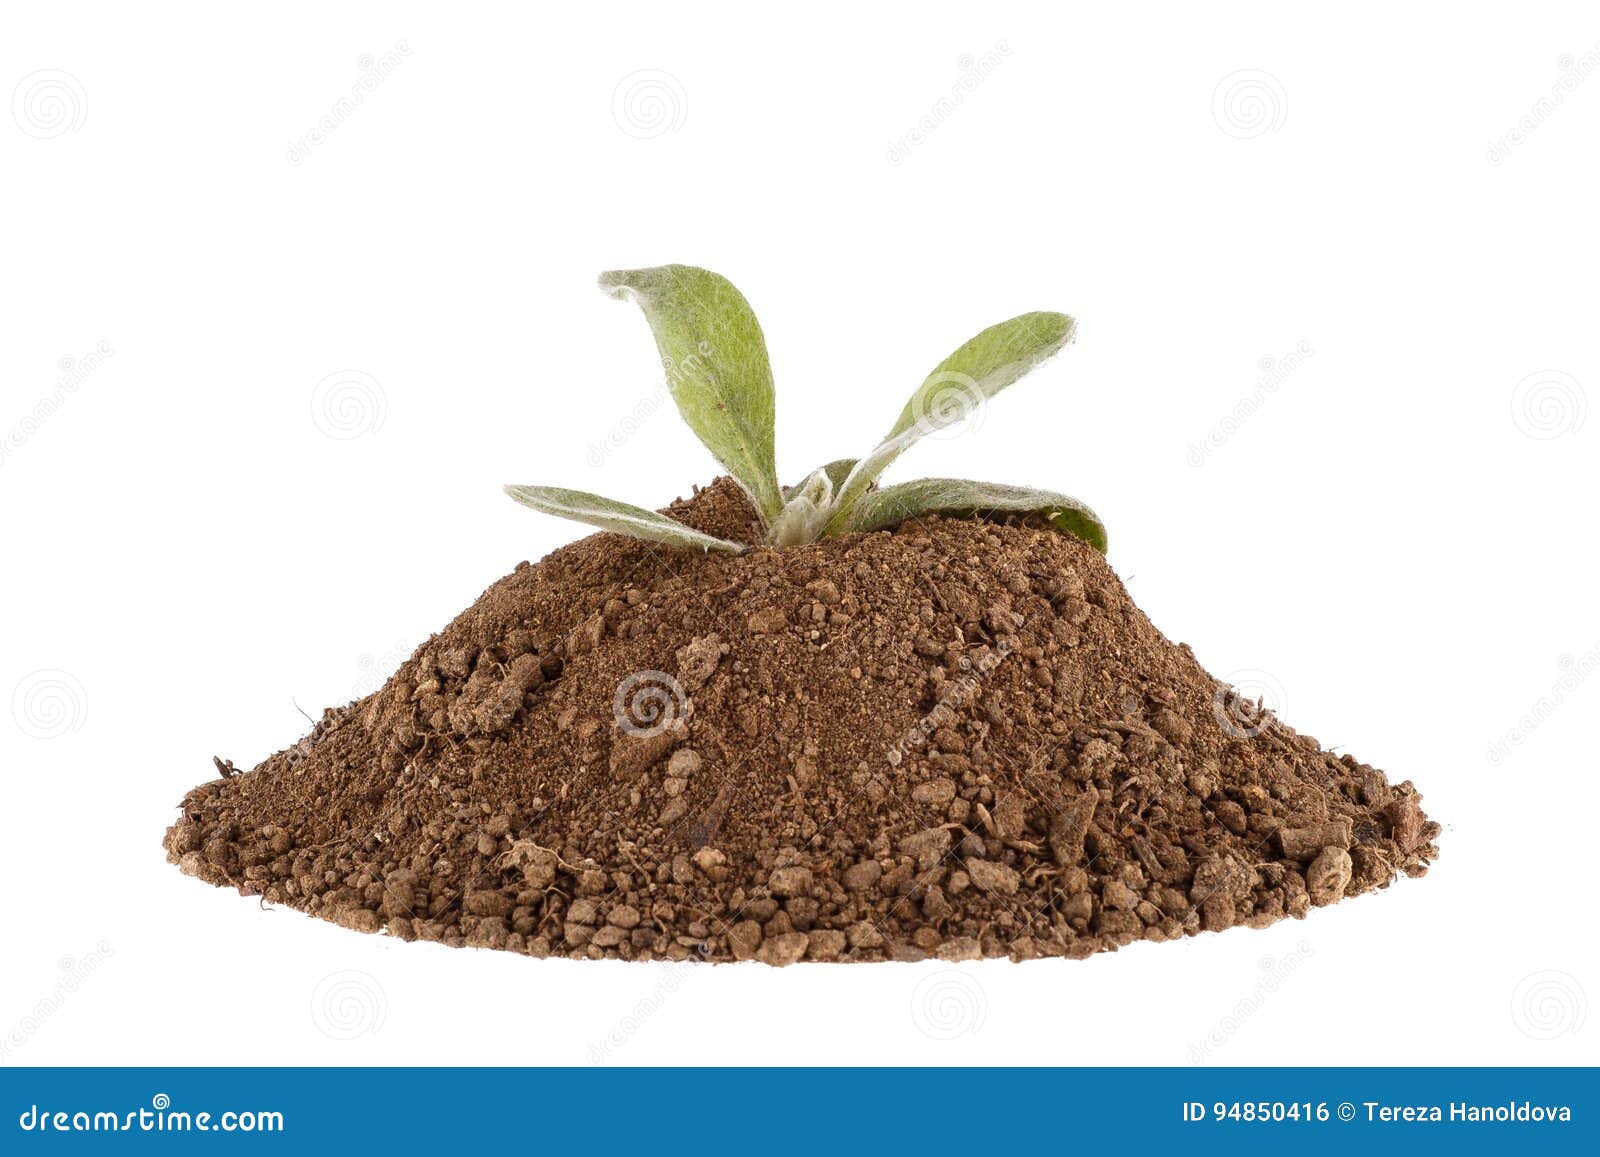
(860, 877)
(635, 752)
(767, 622)
(927, 847)
(1119, 896)
(782, 950)
(791, 881)
(744, 938)
(623, 916)
(487, 903)
(1329, 875)
(709, 859)
(1304, 844)
(697, 661)
(864, 935)
(937, 792)
(684, 763)
(960, 948)
(993, 877)
(825, 944)
(1406, 822)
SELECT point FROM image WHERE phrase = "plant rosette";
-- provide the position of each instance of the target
(721, 380)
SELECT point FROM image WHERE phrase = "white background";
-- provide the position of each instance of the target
(1395, 541)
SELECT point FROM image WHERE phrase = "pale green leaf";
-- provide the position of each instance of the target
(960, 498)
(618, 517)
(983, 367)
(838, 471)
(956, 389)
(717, 370)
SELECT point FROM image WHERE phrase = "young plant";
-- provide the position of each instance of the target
(718, 374)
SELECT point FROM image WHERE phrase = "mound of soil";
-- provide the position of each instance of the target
(954, 739)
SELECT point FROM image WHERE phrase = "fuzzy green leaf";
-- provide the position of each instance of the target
(838, 471)
(618, 517)
(835, 472)
(983, 367)
(717, 370)
(958, 497)
(958, 386)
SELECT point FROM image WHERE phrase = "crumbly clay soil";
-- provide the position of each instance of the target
(957, 739)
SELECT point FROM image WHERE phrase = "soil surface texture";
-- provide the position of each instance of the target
(956, 739)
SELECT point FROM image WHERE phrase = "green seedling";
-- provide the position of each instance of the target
(719, 376)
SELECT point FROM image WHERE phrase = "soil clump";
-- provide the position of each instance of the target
(956, 739)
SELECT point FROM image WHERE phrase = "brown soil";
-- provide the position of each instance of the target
(956, 739)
